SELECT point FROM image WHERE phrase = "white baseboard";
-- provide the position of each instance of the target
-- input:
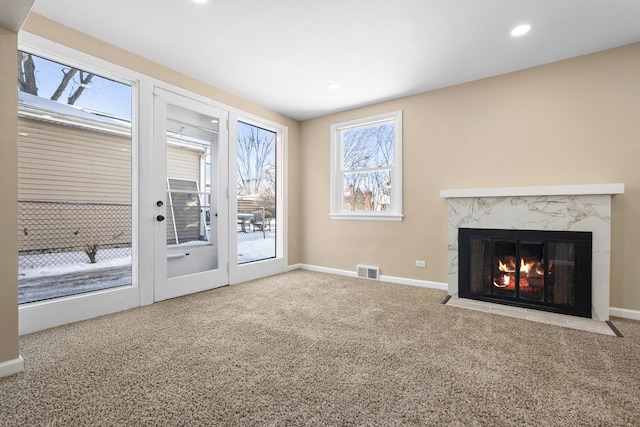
(328, 270)
(383, 278)
(624, 313)
(414, 282)
(11, 367)
(294, 267)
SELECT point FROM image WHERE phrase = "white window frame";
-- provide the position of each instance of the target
(239, 273)
(45, 314)
(337, 211)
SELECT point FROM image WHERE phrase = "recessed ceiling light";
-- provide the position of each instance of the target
(334, 86)
(200, 1)
(521, 30)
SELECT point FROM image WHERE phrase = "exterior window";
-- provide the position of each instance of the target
(366, 168)
(74, 180)
(256, 191)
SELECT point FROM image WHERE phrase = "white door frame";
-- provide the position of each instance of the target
(165, 287)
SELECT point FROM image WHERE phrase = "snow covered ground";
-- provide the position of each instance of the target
(54, 281)
(105, 259)
(253, 247)
(51, 281)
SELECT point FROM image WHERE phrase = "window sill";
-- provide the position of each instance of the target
(367, 217)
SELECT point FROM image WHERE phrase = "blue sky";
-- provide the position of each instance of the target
(102, 94)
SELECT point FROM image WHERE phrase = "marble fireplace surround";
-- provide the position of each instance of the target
(561, 208)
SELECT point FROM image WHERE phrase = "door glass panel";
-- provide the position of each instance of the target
(256, 191)
(74, 181)
(191, 218)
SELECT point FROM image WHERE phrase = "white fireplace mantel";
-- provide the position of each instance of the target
(551, 190)
(559, 207)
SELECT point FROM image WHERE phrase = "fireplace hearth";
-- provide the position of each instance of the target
(545, 270)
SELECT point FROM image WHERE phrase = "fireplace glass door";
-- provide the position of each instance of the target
(548, 270)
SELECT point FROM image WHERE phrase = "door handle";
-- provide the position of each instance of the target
(160, 218)
(159, 203)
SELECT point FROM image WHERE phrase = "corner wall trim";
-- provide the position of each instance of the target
(294, 267)
(11, 367)
(625, 313)
(383, 278)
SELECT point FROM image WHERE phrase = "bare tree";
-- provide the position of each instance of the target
(85, 79)
(368, 156)
(27, 73)
(256, 160)
(76, 90)
(67, 76)
(27, 79)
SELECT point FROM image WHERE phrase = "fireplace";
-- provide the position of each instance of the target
(545, 270)
(572, 208)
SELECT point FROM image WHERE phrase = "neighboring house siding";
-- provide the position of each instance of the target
(62, 163)
(183, 163)
(74, 188)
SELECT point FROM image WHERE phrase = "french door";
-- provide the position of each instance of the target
(170, 186)
(190, 212)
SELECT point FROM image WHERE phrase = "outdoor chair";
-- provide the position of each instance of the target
(259, 222)
(244, 221)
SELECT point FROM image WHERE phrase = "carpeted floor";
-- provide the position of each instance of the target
(306, 348)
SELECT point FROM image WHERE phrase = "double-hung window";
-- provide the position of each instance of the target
(366, 168)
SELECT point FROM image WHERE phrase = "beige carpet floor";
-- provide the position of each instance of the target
(306, 348)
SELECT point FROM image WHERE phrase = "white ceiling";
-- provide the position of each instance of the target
(14, 12)
(282, 54)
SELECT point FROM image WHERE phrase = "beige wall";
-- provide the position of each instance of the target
(571, 122)
(51, 30)
(8, 195)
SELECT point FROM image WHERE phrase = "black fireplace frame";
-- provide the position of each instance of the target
(583, 244)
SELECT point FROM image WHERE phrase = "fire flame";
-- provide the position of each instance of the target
(503, 267)
(527, 270)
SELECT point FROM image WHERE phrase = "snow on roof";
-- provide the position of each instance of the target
(44, 105)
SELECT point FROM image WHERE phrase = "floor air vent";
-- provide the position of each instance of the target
(368, 272)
